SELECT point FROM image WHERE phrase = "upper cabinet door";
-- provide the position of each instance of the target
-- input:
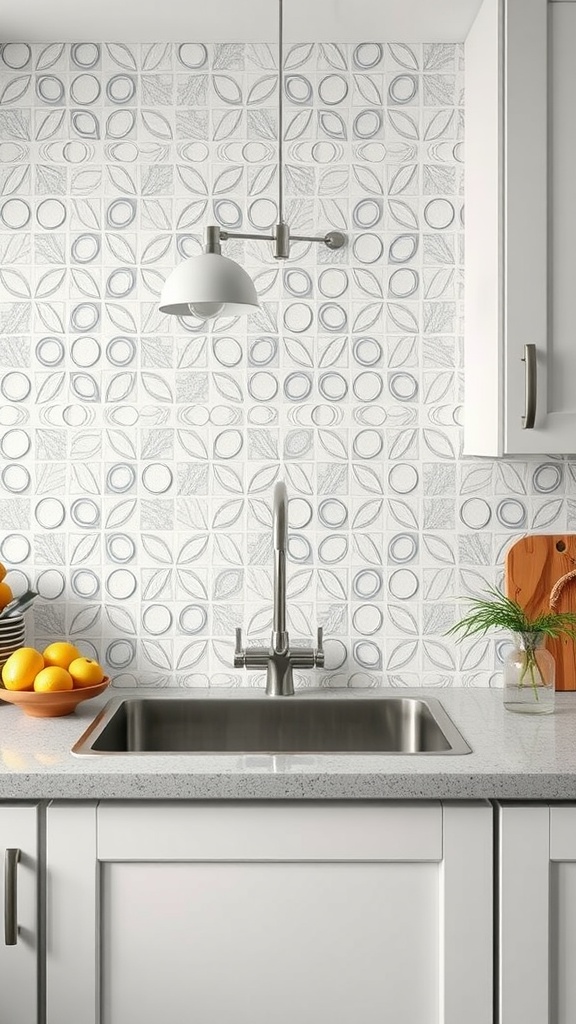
(520, 359)
(19, 940)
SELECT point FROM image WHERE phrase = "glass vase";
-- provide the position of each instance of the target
(529, 676)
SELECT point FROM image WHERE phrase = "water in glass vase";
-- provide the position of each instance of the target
(529, 676)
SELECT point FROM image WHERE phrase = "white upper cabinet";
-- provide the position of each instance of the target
(520, 356)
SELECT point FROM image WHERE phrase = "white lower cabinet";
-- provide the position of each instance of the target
(537, 897)
(259, 912)
(20, 990)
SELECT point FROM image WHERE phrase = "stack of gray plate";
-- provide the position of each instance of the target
(12, 632)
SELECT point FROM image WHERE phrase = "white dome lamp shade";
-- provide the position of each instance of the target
(206, 286)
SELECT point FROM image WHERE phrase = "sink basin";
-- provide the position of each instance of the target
(329, 725)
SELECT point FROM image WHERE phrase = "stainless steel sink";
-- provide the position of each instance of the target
(330, 725)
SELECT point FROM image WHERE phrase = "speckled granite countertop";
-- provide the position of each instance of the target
(515, 757)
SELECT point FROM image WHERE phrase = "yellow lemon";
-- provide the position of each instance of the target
(60, 653)
(6, 594)
(86, 672)
(53, 678)
(21, 668)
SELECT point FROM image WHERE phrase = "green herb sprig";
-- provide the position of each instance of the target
(501, 612)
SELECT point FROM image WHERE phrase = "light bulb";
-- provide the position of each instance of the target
(206, 310)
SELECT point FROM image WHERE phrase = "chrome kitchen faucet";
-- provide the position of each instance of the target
(278, 659)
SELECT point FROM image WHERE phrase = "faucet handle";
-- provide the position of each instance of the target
(239, 652)
(319, 652)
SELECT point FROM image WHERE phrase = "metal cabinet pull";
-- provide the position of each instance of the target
(529, 358)
(11, 858)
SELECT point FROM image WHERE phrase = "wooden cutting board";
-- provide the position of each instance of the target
(535, 568)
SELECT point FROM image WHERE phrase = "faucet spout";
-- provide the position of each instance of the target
(280, 541)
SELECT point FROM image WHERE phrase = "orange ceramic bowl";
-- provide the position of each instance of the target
(52, 705)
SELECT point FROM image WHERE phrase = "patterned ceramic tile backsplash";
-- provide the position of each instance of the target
(138, 453)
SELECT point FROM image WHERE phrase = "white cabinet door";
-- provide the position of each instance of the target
(19, 934)
(246, 913)
(520, 222)
(537, 917)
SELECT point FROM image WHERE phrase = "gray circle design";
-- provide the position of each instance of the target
(15, 478)
(367, 351)
(333, 548)
(121, 584)
(402, 548)
(367, 654)
(192, 55)
(403, 88)
(15, 214)
(16, 55)
(403, 248)
(85, 513)
(326, 416)
(188, 246)
(85, 351)
(120, 547)
(439, 214)
(299, 548)
(50, 89)
(335, 654)
(157, 619)
(333, 282)
(15, 386)
(120, 478)
(332, 317)
(192, 619)
(50, 584)
(15, 548)
(368, 444)
(368, 247)
(121, 351)
(121, 282)
(298, 317)
(120, 213)
(120, 123)
(370, 416)
(121, 88)
(227, 351)
(475, 513)
(298, 89)
(403, 478)
(367, 584)
(50, 513)
(85, 316)
(368, 55)
(15, 444)
(263, 214)
(333, 90)
(228, 214)
(403, 284)
(511, 513)
(367, 619)
(51, 214)
(85, 89)
(403, 387)
(157, 478)
(86, 124)
(547, 477)
(262, 351)
(228, 444)
(298, 386)
(85, 55)
(262, 386)
(368, 386)
(85, 583)
(120, 653)
(333, 386)
(78, 415)
(326, 152)
(403, 584)
(254, 152)
(298, 283)
(50, 351)
(85, 248)
(332, 513)
(299, 513)
(367, 214)
(367, 124)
